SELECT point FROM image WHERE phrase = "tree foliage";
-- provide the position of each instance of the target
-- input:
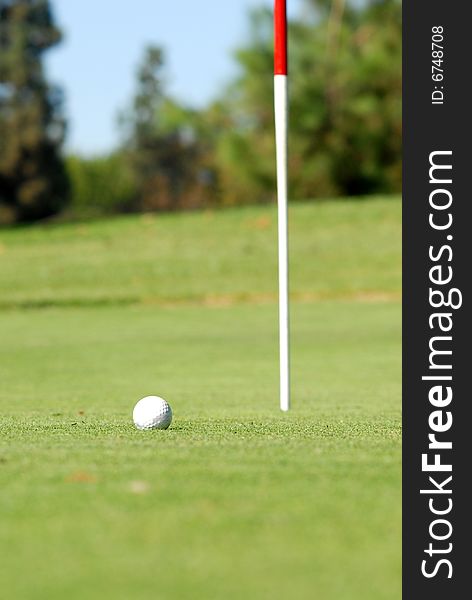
(166, 143)
(100, 185)
(345, 89)
(33, 180)
(345, 127)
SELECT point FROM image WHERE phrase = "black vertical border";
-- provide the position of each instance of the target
(429, 128)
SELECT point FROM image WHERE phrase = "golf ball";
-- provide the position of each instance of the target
(152, 412)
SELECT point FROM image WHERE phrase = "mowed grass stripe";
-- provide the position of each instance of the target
(338, 250)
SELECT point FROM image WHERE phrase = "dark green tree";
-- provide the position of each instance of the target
(166, 143)
(345, 90)
(33, 179)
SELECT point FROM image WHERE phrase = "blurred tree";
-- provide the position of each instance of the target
(100, 185)
(33, 180)
(345, 88)
(166, 143)
(245, 147)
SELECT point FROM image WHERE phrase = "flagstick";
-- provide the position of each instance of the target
(281, 141)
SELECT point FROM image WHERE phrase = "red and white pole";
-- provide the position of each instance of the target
(281, 141)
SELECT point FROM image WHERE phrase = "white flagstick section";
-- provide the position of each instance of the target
(281, 140)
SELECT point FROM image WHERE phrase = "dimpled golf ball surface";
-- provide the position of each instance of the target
(152, 412)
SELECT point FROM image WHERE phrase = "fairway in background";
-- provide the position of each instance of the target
(339, 250)
(235, 499)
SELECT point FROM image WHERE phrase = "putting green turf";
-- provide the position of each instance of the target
(236, 500)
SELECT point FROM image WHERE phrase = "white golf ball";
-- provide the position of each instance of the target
(152, 412)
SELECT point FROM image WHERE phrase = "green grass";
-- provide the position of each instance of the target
(236, 500)
(338, 250)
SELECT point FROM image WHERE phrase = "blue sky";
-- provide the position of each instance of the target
(104, 40)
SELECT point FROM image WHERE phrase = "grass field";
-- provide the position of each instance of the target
(236, 500)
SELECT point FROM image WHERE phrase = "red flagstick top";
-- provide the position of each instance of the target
(280, 14)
